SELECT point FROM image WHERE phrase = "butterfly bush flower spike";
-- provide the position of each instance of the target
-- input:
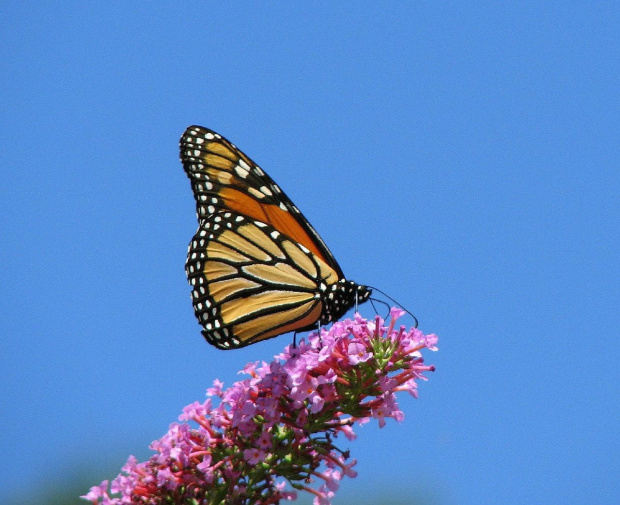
(273, 434)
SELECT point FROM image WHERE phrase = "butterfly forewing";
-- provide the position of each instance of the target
(224, 178)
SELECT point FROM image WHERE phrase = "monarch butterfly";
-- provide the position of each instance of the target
(257, 267)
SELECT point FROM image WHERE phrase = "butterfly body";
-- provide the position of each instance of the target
(256, 266)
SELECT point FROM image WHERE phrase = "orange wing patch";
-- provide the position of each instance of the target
(282, 220)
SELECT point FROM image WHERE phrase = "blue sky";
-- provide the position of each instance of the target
(462, 156)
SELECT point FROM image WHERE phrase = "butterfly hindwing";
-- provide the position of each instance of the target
(250, 282)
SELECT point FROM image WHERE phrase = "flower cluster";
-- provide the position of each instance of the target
(244, 444)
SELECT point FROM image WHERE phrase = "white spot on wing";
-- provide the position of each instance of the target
(256, 193)
(241, 172)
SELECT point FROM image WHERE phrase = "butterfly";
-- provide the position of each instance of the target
(257, 267)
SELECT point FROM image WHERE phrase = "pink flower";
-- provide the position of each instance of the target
(348, 432)
(253, 456)
(305, 388)
(323, 497)
(284, 494)
(96, 492)
(264, 442)
(387, 383)
(205, 465)
(316, 402)
(165, 479)
(216, 390)
(332, 479)
(358, 353)
(286, 413)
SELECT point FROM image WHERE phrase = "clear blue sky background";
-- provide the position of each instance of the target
(462, 156)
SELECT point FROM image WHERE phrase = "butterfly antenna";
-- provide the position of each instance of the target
(387, 306)
(372, 302)
(415, 319)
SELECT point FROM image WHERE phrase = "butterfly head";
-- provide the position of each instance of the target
(343, 296)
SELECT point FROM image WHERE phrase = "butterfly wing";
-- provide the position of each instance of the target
(224, 178)
(250, 282)
(257, 267)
